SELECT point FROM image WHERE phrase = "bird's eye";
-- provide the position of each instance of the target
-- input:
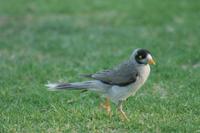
(140, 57)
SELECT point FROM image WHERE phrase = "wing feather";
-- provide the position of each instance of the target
(122, 75)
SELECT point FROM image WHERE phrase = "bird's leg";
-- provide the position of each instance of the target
(122, 113)
(106, 106)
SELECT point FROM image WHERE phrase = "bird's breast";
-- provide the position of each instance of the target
(141, 78)
(144, 73)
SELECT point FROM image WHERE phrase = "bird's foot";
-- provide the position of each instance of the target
(107, 107)
(122, 113)
(123, 116)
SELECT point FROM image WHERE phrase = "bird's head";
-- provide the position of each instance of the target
(142, 56)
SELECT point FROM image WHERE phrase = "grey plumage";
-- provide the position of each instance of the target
(117, 84)
(122, 75)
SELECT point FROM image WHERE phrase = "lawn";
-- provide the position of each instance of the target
(43, 41)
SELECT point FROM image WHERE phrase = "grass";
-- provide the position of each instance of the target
(52, 40)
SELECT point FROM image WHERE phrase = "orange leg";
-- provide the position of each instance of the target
(106, 106)
(122, 113)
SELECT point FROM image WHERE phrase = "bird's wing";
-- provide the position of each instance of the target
(122, 75)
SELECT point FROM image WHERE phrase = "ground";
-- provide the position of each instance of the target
(43, 41)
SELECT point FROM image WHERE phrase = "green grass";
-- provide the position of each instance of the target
(53, 40)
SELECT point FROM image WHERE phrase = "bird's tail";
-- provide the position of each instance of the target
(69, 86)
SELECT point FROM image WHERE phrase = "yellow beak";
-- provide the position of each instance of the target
(151, 62)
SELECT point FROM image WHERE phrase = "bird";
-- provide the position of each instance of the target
(116, 84)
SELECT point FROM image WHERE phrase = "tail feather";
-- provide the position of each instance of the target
(68, 86)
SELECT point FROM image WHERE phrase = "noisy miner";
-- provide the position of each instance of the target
(115, 84)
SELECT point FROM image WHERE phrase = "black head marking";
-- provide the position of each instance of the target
(141, 55)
